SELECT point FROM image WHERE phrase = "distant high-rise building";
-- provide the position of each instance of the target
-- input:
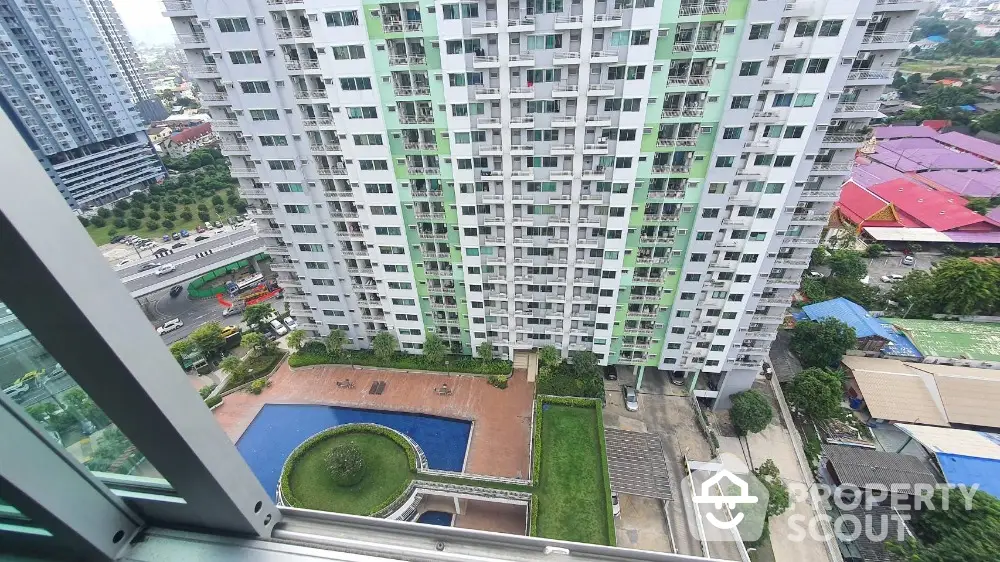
(62, 88)
(644, 179)
(112, 29)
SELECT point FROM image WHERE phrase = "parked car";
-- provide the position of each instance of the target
(169, 326)
(166, 268)
(908, 260)
(278, 327)
(200, 229)
(176, 236)
(885, 279)
(895, 277)
(175, 291)
(610, 373)
(677, 378)
(16, 389)
(631, 399)
(179, 245)
(290, 322)
(166, 238)
(150, 265)
(616, 507)
(185, 234)
(117, 239)
(123, 262)
(814, 274)
(200, 238)
(218, 224)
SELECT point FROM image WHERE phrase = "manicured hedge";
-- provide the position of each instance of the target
(312, 354)
(257, 366)
(308, 444)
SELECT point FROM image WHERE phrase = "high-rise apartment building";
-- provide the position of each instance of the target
(61, 87)
(641, 179)
(116, 37)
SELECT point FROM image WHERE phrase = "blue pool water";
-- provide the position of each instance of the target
(279, 428)
(435, 518)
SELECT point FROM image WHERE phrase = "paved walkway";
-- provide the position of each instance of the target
(502, 418)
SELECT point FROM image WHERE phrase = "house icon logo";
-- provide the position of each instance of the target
(724, 501)
(707, 497)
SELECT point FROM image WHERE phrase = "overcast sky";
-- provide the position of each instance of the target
(145, 22)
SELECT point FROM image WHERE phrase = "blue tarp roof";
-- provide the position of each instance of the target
(864, 324)
(967, 107)
(937, 39)
(959, 469)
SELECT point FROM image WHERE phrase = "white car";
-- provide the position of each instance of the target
(16, 389)
(122, 263)
(885, 279)
(278, 327)
(290, 322)
(169, 326)
(166, 268)
(908, 260)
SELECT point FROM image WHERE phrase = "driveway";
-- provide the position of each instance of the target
(785, 365)
(893, 264)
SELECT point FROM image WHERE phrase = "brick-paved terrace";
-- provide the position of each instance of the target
(500, 434)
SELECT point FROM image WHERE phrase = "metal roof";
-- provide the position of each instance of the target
(636, 464)
(958, 340)
(868, 468)
(893, 391)
(971, 458)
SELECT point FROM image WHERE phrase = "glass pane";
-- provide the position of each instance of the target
(32, 378)
(13, 521)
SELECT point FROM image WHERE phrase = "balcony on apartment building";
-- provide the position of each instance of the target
(401, 17)
(290, 25)
(673, 134)
(415, 83)
(690, 73)
(707, 7)
(690, 38)
(413, 113)
(406, 52)
(419, 139)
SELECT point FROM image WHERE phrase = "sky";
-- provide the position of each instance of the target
(145, 21)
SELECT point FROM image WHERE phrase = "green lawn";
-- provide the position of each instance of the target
(387, 475)
(927, 67)
(101, 236)
(572, 496)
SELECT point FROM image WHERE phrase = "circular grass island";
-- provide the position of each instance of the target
(390, 462)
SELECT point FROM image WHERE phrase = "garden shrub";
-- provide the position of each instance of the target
(213, 400)
(498, 381)
(258, 386)
(347, 464)
(314, 353)
(206, 390)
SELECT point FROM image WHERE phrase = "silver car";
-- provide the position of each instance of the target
(631, 399)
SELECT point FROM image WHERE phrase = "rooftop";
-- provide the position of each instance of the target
(957, 340)
(849, 313)
(965, 457)
(972, 145)
(903, 131)
(940, 210)
(868, 468)
(966, 184)
(192, 133)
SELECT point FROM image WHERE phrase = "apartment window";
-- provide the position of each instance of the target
(341, 19)
(750, 68)
(289, 187)
(763, 159)
(717, 187)
(539, 42)
(616, 73)
(244, 57)
(774, 187)
(635, 73)
(404, 285)
(364, 112)
(683, 313)
(608, 275)
(373, 164)
(543, 106)
(631, 104)
(626, 134)
(457, 11)
(356, 83)
(794, 66)
(805, 28)
(830, 28)
(297, 209)
(623, 162)
(817, 66)
(453, 47)
(233, 25)
(698, 257)
(370, 139)
(619, 38)
(304, 229)
(317, 265)
(759, 31)
(687, 296)
(709, 213)
(403, 302)
(544, 6)
(794, 131)
(535, 186)
(692, 277)
(773, 131)
(765, 213)
(543, 134)
(459, 110)
(758, 236)
(378, 188)
(740, 102)
(310, 247)
(274, 140)
(732, 132)
(347, 52)
(387, 231)
(264, 114)
(539, 75)
(805, 100)
(391, 250)
(395, 268)
(728, 316)
(281, 164)
(783, 161)
(750, 258)
(640, 37)
(724, 161)
(782, 100)
(704, 235)
(255, 87)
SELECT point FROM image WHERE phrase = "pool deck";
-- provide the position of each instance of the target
(502, 418)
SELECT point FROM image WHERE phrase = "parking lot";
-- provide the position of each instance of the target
(893, 264)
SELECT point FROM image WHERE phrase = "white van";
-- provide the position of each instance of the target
(278, 327)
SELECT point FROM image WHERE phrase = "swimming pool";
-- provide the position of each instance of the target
(279, 428)
(435, 518)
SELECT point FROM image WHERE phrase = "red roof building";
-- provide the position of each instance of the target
(184, 142)
(937, 124)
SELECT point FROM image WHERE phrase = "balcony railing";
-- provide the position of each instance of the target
(844, 137)
(287, 33)
(332, 172)
(214, 96)
(892, 37)
(318, 122)
(833, 166)
(870, 75)
(711, 8)
(856, 106)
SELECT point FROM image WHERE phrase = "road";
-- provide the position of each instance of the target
(189, 266)
(217, 239)
(193, 312)
(56, 384)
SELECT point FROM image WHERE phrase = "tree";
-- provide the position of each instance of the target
(133, 223)
(485, 351)
(137, 213)
(819, 256)
(434, 348)
(823, 343)
(914, 79)
(167, 224)
(118, 212)
(170, 206)
(103, 213)
(296, 338)
(254, 315)
(154, 215)
(979, 205)
(204, 216)
(989, 122)
(140, 198)
(874, 250)
(186, 214)
(816, 393)
(254, 342)
(120, 222)
(847, 263)
(98, 221)
(750, 412)
(778, 500)
(549, 355)
(966, 533)
(170, 216)
(154, 205)
(208, 337)
(220, 209)
(942, 74)
(84, 221)
(585, 364)
(335, 342)
(217, 200)
(964, 287)
(234, 368)
(347, 464)
(384, 345)
(152, 225)
(181, 348)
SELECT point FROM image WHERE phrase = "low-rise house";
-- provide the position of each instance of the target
(185, 142)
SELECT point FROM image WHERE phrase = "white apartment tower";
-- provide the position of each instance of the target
(639, 178)
(64, 92)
